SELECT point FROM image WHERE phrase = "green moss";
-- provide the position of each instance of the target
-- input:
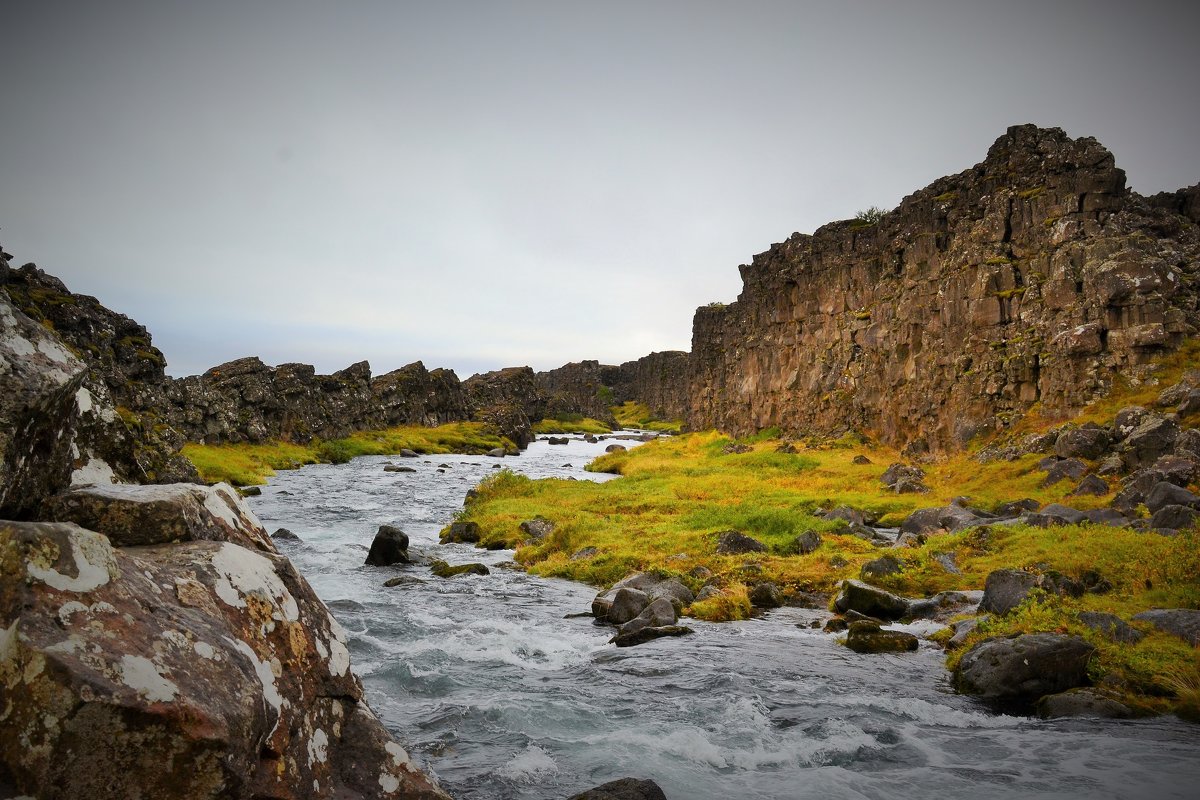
(573, 423)
(1007, 293)
(632, 414)
(1029, 194)
(946, 197)
(998, 261)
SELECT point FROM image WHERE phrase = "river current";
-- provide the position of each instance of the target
(501, 696)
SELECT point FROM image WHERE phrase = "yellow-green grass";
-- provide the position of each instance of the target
(632, 414)
(676, 494)
(248, 464)
(571, 424)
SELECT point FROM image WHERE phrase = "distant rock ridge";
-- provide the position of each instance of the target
(1035, 277)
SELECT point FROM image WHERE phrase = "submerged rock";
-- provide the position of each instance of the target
(623, 789)
(444, 570)
(1082, 703)
(868, 637)
(643, 635)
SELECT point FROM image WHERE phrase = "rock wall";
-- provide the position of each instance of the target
(1034, 277)
(660, 380)
(581, 387)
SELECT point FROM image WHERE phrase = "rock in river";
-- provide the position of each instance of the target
(390, 546)
(1024, 667)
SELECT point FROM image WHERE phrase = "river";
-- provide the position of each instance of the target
(500, 696)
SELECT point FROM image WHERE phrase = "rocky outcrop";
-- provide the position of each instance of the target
(1034, 277)
(190, 670)
(660, 380)
(582, 387)
(114, 376)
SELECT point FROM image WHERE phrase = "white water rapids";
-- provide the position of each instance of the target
(487, 684)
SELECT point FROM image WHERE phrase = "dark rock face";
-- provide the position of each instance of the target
(623, 789)
(1024, 667)
(390, 546)
(1033, 277)
(1005, 589)
(766, 595)
(1086, 442)
(130, 690)
(660, 380)
(578, 388)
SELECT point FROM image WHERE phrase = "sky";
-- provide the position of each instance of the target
(488, 184)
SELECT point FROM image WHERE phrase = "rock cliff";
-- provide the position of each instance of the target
(1035, 277)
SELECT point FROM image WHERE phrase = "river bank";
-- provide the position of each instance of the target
(489, 685)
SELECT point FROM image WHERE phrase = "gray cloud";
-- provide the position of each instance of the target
(485, 184)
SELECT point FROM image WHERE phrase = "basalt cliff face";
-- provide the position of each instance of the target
(1035, 277)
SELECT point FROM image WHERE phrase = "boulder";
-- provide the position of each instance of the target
(1072, 515)
(394, 468)
(658, 614)
(870, 600)
(1174, 517)
(881, 567)
(1111, 626)
(1153, 437)
(406, 453)
(1064, 469)
(1106, 516)
(496, 452)
(623, 789)
(861, 460)
(1110, 465)
(1088, 442)
(537, 528)
(1168, 494)
(766, 595)
(284, 535)
(897, 471)
(1005, 589)
(131, 515)
(1127, 420)
(1188, 443)
(615, 448)
(805, 543)
(1024, 667)
(1178, 469)
(181, 672)
(627, 604)
(445, 570)
(653, 585)
(1091, 485)
(1082, 703)
(390, 546)
(462, 533)
(944, 604)
(951, 518)
(962, 629)
(1181, 622)
(868, 637)
(647, 634)
(1015, 508)
(731, 543)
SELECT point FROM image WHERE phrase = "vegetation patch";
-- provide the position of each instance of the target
(249, 464)
(637, 415)
(571, 423)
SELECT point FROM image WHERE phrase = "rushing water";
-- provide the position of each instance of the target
(502, 697)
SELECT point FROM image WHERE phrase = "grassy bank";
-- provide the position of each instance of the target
(678, 493)
(572, 423)
(637, 415)
(249, 464)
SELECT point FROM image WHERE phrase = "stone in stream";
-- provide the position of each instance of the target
(394, 468)
(390, 546)
(870, 600)
(1024, 667)
(496, 452)
(623, 789)
(283, 534)
(461, 533)
(652, 585)
(406, 453)
(627, 604)
(643, 635)
(867, 636)
(1082, 703)
(444, 570)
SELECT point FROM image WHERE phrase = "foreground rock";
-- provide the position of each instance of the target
(871, 601)
(1024, 667)
(194, 670)
(1082, 703)
(142, 515)
(623, 789)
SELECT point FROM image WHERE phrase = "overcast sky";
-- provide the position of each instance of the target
(483, 184)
